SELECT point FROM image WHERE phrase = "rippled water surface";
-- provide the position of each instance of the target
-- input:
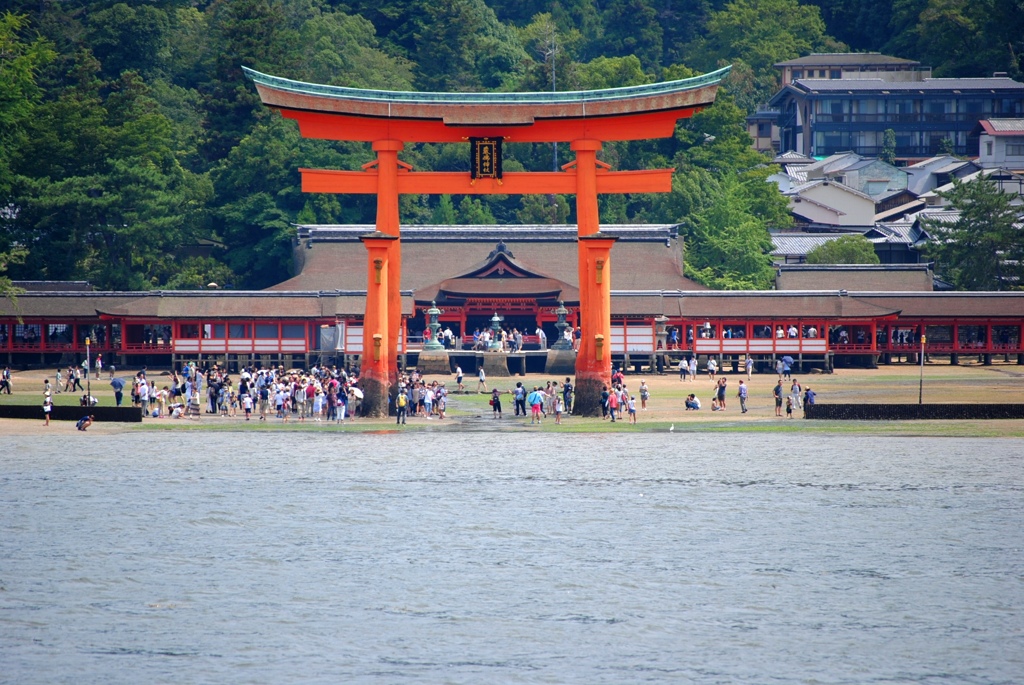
(488, 558)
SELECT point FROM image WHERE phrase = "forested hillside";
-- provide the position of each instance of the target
(130, 142)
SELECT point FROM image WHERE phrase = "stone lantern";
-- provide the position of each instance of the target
(562, 343)
(660, 331)
(495, 345)
(435, 328)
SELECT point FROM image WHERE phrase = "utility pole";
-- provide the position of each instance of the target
(549, 50)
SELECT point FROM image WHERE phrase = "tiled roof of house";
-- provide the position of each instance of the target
(846, 59)
(895, 233)
(900, 210)
(928, 84)
(932, 161)
(855, 277)
(839, 160)
(796, 190)
(799, 243)
(798, 172)
(1003, 127)
(792, 157)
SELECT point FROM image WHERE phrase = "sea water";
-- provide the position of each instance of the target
(500, 558)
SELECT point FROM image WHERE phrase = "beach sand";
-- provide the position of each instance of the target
(899, 383)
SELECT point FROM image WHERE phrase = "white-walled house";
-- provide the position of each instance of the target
(1001, 144)
(832, 204)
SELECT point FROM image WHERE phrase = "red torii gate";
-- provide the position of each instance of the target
(388, 120)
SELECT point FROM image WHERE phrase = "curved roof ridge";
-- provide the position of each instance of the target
(575, 96)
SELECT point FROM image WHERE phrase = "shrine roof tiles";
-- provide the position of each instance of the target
(70, 304)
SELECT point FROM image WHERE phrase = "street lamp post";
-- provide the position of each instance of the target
(920, 385)
(88, 365)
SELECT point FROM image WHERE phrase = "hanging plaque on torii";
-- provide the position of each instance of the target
(484, 158)
(584, 119)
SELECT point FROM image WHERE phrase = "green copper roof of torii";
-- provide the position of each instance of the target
(541, 98)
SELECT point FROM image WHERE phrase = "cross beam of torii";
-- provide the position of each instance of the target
(584, 119)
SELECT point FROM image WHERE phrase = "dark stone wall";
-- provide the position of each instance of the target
(62, 413)
(911, 412)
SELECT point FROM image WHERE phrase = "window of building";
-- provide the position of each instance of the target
(214, 331)
(798, 73)
(58, 333)
(266, 331)
(831, 141)
(988, 148)
(238, 331)
(901, 106)
(1010, 107)
(835, 73)
(1012, 149)
(764, 130)
(868, 106)
(293, 331)
(27, 333)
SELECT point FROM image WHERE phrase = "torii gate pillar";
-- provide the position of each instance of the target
(388, 224)
(377, 332)
(593, 359)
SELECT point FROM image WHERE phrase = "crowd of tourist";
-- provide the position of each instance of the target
(320, 394)
(330, 394)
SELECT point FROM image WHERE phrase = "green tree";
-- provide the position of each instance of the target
(129, 38)
(847, 249)
(972, 37)
(343, 50)
(20, 63)
(245, 33)
(727, 247)
(761, 33)
(543, 209)
(984, 248)
(611, 72)
(461, 46)
(888, 146)
(198, 272)
(473, 212)
(444, 213)
(13, 256)
(100, 193)
(632, 28)
(258, 197)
